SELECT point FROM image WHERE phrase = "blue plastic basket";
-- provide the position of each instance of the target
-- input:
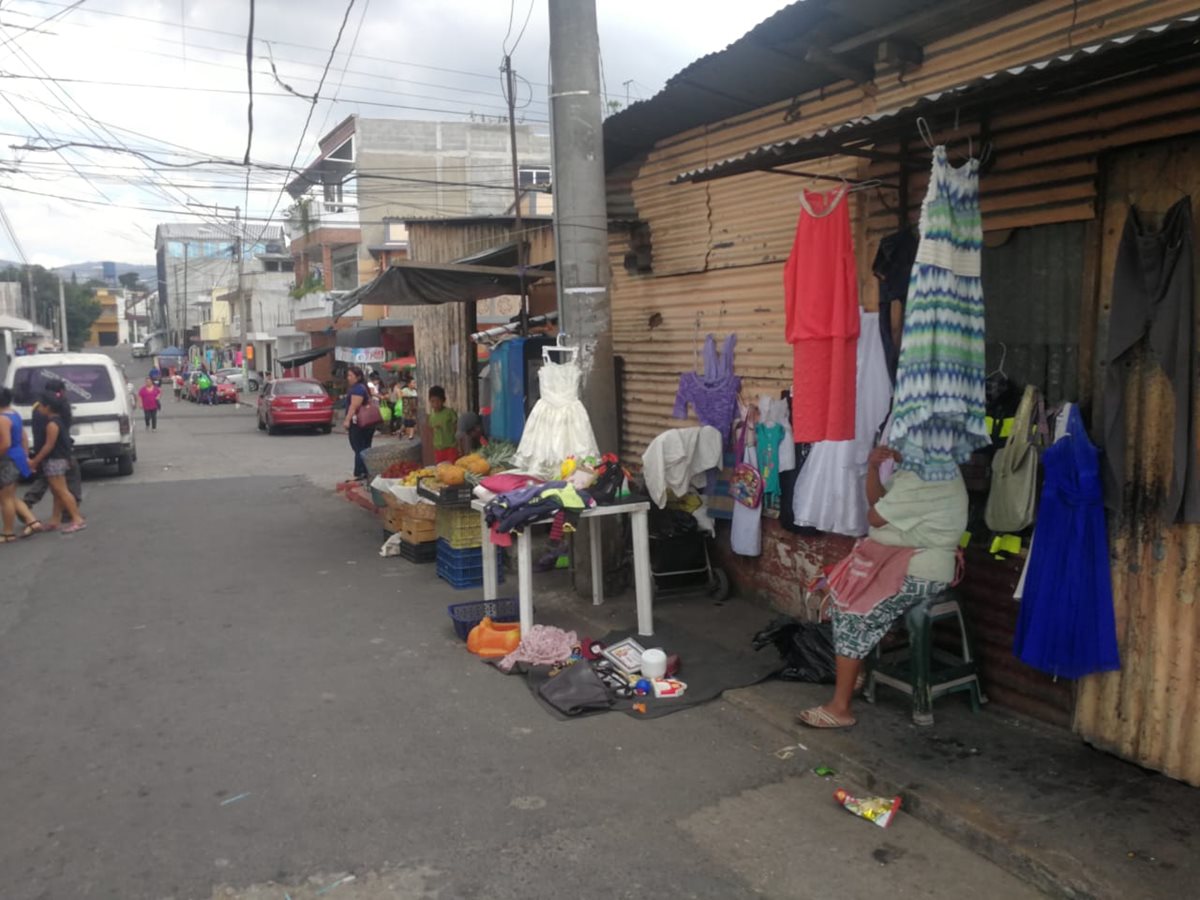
(464, 568)
(466, 616)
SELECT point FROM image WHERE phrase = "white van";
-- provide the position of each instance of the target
(101, 411)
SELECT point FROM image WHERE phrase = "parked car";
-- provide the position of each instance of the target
(240, 379)
(226, 392)
(295, 402)
(139, 349)
(101, 411)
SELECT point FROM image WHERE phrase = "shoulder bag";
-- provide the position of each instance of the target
(746, 485)
(1012, 500)
(368, 415)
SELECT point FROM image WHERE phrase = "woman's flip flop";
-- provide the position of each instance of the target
(819, 717)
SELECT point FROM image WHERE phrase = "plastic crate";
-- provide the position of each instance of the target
(464, 568)
(466, 616)
(425, 552)
(447, 495)
(459, 528)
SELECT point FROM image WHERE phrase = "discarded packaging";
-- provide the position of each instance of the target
(824, 772)
(665, 688)
(879, 810)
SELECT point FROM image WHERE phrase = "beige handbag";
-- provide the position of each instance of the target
(1012, 500)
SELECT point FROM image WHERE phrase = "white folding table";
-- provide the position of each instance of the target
(637, 511)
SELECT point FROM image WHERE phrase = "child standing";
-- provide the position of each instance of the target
(148, 398)
(443, 422)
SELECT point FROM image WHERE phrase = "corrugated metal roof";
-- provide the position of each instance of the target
(883, 124)
(221, 231)
(768, 63)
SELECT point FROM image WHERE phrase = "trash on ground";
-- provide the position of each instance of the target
(235, 799)
(824, 772)
(879, 810)
(345, 879)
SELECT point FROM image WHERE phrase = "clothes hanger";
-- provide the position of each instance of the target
(999, 370)
(568, 352)
(696, 342)
(837, 195)
(925, 132)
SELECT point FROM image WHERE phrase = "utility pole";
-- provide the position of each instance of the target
(31, 308)
(62, 315)
(243, 305)
(518, 222)
(179, 311)
(581, 227)
(187, 346)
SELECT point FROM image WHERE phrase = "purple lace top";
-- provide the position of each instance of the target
(715, 393)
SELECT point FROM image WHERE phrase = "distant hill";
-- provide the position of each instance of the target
(86, 270)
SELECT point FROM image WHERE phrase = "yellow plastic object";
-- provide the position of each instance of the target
(491, 640)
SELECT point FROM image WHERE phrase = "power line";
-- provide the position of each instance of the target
(62, 13)
(342, 77)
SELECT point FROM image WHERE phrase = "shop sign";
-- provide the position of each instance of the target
(360, 356)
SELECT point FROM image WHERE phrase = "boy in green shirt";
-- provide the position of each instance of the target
(443, 422)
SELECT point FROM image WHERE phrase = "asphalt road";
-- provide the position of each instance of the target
(221, 690)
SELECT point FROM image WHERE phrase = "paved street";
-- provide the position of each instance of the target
(220, 689)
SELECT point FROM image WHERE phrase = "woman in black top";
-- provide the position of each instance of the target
(52, 455)
(360, 436)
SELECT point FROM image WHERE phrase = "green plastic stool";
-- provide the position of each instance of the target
(923, 671)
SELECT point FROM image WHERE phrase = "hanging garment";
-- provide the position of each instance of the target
(678, 459)
(830, 491)
(938, 416)
(558, 426)
(1067, 626)
(821, 304)
(745, 532)
(893, 267)
(1153, 293)
(713, 394)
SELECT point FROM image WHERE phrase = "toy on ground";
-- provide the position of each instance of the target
(493, 640)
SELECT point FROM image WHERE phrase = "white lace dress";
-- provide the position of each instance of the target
(558, 426)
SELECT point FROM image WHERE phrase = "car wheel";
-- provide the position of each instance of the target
(272, 428)
(125, 464)
(325, 429)
(261, 426)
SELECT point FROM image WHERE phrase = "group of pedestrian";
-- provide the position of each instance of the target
(47, 461)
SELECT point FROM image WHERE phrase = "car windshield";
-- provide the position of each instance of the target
(298, 389)
(84, 383)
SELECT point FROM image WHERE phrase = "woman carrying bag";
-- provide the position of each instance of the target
(362, 415)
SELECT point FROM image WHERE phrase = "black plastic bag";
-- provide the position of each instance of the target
(576, 689)
(805, 648)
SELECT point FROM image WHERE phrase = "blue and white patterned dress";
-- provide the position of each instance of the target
(937, 419)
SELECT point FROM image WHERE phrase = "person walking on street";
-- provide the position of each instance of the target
(148, 399)
(39, 486)
(14, 465)
(204, 386)
(52, 456)
(360, 435)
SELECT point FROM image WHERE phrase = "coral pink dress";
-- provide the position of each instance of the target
(821, 297)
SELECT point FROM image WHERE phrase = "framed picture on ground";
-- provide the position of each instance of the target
(626, 655)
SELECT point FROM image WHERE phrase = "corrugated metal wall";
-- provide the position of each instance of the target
(740, 229)
(1149, 711)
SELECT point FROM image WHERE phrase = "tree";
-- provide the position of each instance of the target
(82, 308)
(130, 281)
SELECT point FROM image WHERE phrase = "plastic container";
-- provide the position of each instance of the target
(425, 552)
(459, 528)
(466, 616)
(464, 568)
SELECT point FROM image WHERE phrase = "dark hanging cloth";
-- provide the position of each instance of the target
(893, 267)
(1153, 294)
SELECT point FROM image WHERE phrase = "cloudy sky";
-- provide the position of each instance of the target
(166, 79)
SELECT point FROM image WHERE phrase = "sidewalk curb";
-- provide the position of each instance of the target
(967, 823)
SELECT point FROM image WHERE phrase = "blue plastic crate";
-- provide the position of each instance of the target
(466, 616)
(464, 568)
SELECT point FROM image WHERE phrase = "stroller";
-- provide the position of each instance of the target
(679, 559)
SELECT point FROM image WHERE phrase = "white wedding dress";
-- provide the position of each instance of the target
(558, 426)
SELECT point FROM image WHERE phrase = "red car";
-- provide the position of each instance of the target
(299, 402)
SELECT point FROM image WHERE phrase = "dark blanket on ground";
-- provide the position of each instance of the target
(706, 668)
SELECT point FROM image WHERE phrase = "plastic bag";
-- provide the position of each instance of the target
(806, 649)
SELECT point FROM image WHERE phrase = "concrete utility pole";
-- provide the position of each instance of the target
(31, 308)
(518, 223)
(581, 233)
(580, 211)
(187, 347)
(62, 315)
(243, 305)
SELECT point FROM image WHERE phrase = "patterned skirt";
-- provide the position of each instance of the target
(855, 636)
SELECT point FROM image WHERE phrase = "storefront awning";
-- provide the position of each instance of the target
(363, 336)
(412, 283)
(302, 357)
(1171, 41)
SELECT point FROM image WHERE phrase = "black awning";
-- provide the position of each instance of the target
(302, 357)
(363, 336)
(411, 283)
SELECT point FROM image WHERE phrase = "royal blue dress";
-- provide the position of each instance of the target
(1067, 627)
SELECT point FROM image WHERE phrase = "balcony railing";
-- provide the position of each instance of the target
(307, 216)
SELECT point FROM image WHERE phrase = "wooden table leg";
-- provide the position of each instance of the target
(641, 573)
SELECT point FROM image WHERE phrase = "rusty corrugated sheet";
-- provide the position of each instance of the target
(445, 241)
(1149, 712)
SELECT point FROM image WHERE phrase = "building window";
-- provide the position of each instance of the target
(539, 175)
(287, 266)
(333, 196)
(345, 269)
(395, 233)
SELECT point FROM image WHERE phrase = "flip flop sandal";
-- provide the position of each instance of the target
(71, 529)
(819, 717)
(34, 527)
(7, 538)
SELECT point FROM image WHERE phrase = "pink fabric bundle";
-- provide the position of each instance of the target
(872, 573)
(544, 645)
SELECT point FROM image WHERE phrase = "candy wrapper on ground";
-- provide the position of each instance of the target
(880, 810)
